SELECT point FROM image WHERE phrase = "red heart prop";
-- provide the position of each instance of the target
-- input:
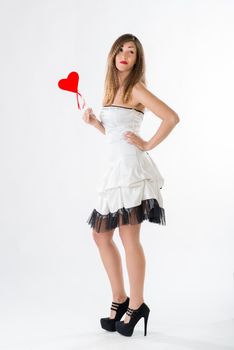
(70, 83)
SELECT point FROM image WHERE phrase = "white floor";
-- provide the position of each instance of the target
(48, 334)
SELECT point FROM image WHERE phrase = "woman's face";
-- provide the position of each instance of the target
(127, 54)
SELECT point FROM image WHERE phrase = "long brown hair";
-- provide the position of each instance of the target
(137, 73)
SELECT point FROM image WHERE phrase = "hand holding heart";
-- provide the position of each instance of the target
(89, 117)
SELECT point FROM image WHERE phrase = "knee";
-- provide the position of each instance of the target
(96, 237)
(101, 238)
(126, 242)
(129, 241)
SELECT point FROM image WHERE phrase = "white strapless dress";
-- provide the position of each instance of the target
(129, 190)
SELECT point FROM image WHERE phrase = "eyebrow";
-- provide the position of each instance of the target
(129, 46)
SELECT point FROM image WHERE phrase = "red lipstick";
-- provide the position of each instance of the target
(124, 62)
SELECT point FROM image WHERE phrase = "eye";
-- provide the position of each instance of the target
(121, 49)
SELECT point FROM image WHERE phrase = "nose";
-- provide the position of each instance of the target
(124, 58)
(124, 55)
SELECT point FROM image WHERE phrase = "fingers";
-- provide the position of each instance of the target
(88, 111)
(87, 115)
(133, 139)
(129, 135)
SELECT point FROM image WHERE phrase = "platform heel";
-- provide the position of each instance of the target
(108, 323)
(135, 315)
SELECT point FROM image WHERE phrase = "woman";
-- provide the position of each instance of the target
(129, 191)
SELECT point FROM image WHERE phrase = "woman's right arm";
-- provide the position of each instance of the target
(90, 118)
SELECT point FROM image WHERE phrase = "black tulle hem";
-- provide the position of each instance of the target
(149, 209)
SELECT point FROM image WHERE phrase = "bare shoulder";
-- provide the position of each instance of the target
(150, 101)
(138, 88)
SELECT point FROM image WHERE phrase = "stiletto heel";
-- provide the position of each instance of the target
(146, 321)
(108, 323)
(135, 315)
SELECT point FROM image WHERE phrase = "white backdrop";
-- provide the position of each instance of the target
(52, 278)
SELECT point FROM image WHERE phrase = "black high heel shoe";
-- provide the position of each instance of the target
(108, 323)
(135, 315)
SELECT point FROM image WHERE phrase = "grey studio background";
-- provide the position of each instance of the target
(53, 287)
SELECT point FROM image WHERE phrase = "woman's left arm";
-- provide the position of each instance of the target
(169, 117)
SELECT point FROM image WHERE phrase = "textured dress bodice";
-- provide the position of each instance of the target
(117, 120)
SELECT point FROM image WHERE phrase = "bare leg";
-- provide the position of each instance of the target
(135, 260)
(111, 259)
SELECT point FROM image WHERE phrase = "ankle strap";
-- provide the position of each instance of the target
(115, 305)
(130, 311)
